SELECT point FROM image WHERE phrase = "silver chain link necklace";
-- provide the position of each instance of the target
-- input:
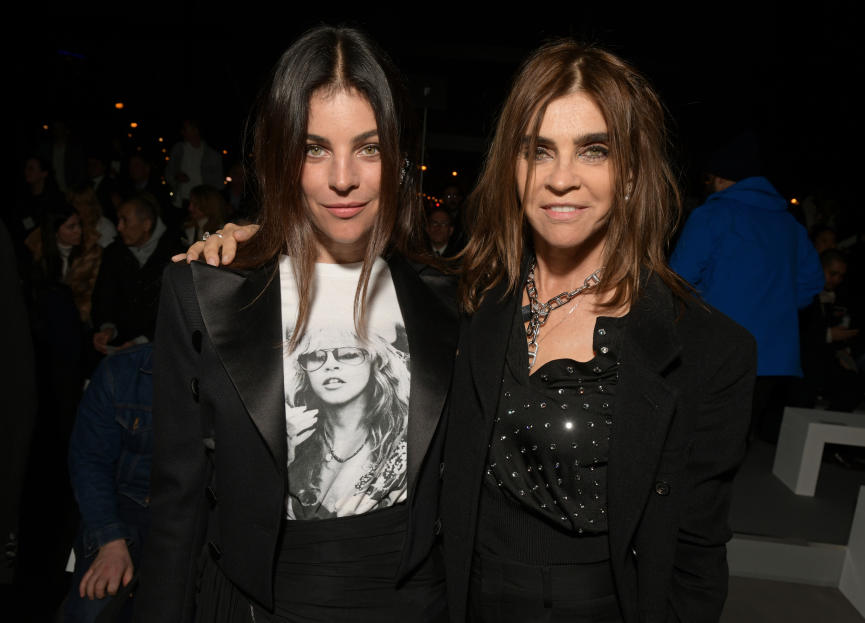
(541, 311)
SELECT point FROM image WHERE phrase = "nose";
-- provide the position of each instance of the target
(330, 363)
(344, 174)
(564, 176)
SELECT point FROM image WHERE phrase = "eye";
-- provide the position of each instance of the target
(370, 150)
(595, 153)
(314, 151)
(543, 153)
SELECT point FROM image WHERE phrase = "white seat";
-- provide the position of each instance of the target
(804, 432)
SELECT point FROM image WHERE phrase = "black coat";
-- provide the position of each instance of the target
(683, 406)
(126, 293)
(218, 379)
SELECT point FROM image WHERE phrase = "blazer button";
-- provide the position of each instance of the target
(211, 496)
(662, 488)
(437, 527)
(214, 550)
(441, 470)
(196, 341)
(456, 353)
(193, 385)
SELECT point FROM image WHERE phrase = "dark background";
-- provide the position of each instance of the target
(791, 76)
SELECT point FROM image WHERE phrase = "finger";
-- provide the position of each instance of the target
(194, 251)
(299, 439)
(127, 575)
(307, 422)
(99, 591)
(178, 258)
(211, 249)
(113, 583)
(82, 588)
(246, 232)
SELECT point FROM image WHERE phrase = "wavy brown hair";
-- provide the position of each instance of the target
(638, 230)
(330, 59)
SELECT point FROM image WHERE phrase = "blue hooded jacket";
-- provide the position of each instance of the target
(747, 256)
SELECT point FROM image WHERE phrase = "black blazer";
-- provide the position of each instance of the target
(219, 397)
(683, 406)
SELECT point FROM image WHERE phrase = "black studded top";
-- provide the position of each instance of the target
(550, 443)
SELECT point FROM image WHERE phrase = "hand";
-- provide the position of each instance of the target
(101, 339)
(227, 244)
(112, 566)
(299, 425)
(839, 333)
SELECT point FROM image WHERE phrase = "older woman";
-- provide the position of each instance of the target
(598, 411)
(251, 519)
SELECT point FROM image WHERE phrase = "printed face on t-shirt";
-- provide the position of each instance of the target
(337, 374)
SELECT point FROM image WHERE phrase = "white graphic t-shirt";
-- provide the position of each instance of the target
(346, 397)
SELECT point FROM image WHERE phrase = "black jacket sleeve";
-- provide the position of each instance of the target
(169, 568)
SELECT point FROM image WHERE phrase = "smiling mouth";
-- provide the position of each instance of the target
(332, 383)
(345, 210)
(563, 211)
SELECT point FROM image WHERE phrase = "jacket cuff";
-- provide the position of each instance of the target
(94, 539)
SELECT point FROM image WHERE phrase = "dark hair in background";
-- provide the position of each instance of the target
(638, 230)
(211, 203)
(830, 256)
(329, 59)
(50, 262)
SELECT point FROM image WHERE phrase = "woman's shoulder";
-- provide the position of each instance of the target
(698, 326)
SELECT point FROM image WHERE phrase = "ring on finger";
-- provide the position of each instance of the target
(205, 236)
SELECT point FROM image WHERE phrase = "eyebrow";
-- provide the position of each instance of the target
(583, 139)
(357, 139)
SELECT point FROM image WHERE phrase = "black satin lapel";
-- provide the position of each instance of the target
(431, 328)
(243, 315)
(490, 329)
(644, 411)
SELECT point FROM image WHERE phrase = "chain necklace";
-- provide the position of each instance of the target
(541, 311)
(333, 455)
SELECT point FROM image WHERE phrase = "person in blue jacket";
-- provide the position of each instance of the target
(746, 255)
(109, 464)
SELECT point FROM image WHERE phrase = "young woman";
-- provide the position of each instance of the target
(284, 502)
(598, 411)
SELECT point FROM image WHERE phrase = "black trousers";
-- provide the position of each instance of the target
(511, 592)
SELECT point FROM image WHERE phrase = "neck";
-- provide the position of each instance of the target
(37, 187)
(330, 252)
(558, 270)
(345, 420)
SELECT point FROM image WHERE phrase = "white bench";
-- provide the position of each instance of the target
(800, 444)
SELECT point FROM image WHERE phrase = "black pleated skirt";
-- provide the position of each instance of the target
(335, 570)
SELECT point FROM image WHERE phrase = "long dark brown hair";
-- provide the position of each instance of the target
(330, 59)
(638, 229)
